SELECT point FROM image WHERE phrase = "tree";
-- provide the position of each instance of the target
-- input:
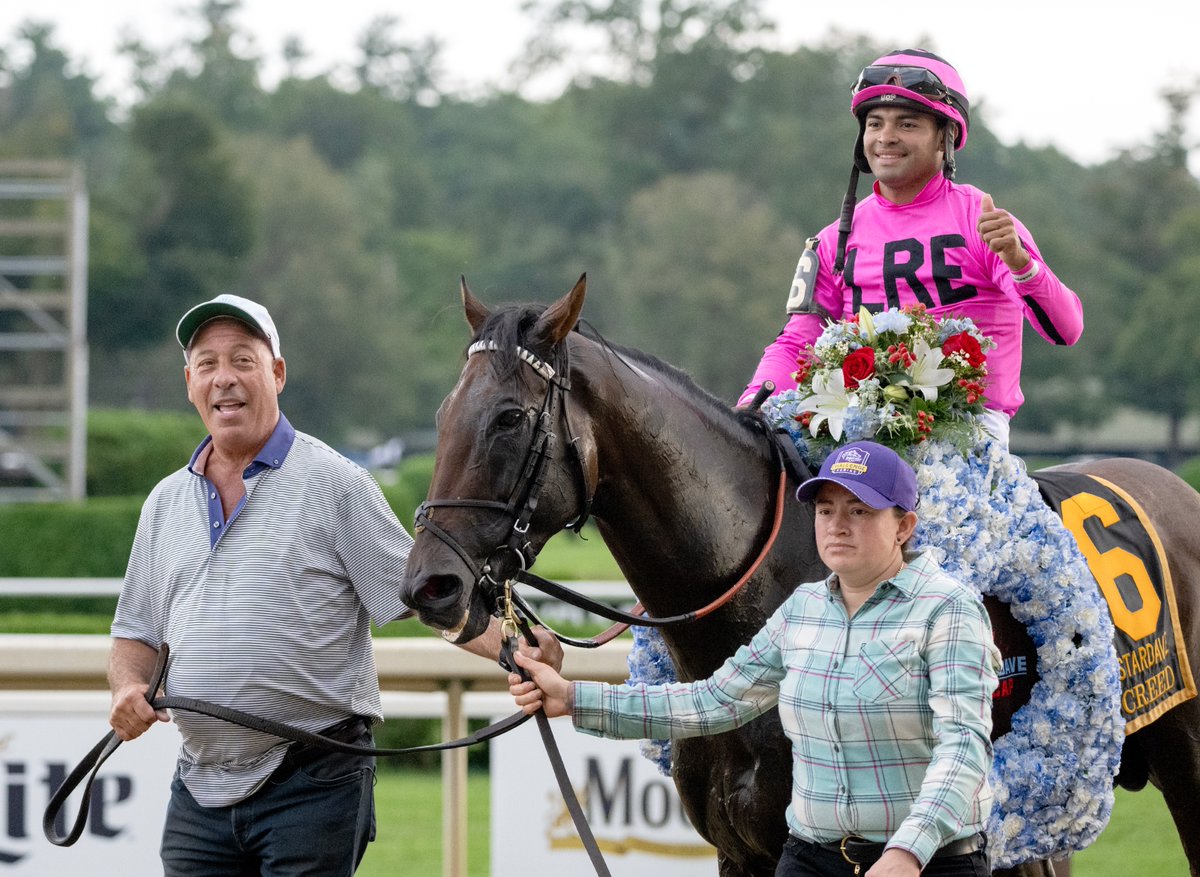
(45, 110)
(697, 277)
(1155, 204)
(344, 333)
(192, 222)
(638, 36)
(218, 70)
(402, 71)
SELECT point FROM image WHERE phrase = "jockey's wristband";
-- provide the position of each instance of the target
(1029, 273)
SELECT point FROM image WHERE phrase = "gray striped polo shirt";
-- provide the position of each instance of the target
(273, 616)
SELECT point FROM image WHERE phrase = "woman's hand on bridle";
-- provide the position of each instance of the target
(547, 691)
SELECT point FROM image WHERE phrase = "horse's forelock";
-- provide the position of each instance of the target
(509, 327)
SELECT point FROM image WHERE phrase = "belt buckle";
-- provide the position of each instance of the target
(845, 855)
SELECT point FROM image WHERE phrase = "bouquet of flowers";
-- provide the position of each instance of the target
(899, 378)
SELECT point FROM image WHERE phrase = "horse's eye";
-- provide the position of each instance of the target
(510, 419)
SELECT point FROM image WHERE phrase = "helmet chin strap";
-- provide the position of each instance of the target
(949, 166)
(846, 220)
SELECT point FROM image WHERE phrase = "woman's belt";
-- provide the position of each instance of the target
(859, 851)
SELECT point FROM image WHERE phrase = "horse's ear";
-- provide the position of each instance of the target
(560, 318)
(475, 310)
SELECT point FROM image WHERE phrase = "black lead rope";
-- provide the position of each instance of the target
(89, 767)
(91, 763)
(507, 649)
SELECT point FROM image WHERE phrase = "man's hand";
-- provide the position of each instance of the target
(548, 691)
(130, 666)
(548, 650)
(487, 645)
(998, 231)
(131, 713)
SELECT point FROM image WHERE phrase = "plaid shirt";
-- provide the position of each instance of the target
(889, 713)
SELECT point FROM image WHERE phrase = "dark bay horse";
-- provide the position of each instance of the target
(551, 425)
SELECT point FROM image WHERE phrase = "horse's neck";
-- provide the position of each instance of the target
(683, 489)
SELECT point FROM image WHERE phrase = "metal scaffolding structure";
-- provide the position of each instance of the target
(43, 331)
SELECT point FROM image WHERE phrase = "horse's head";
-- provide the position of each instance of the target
(510, 468)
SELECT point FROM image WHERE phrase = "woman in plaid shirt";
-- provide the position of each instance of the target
(883, 675)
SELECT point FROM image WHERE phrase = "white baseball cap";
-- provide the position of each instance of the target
(249, 312)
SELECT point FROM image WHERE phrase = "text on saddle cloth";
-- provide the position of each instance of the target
(1125, 555)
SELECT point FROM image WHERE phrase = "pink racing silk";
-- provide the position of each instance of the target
(929, 252)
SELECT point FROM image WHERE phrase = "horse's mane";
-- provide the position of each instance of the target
(508, 326)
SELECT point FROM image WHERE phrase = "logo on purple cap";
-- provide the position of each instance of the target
(850, 461)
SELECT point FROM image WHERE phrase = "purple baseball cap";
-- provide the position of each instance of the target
(873, 473)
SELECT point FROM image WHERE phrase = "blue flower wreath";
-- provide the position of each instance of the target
(984, 521)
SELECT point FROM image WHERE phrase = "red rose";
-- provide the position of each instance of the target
(804, 367)
(858, 366)
(964, 343)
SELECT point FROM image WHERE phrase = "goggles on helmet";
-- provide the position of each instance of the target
(918, 79)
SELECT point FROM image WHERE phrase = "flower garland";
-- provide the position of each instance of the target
(984, 521)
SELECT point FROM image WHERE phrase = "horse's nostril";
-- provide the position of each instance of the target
(438, 589)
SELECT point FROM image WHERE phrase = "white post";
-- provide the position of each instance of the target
(77, 351)
(454, 785)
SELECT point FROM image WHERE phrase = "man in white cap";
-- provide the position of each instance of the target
(261, 565)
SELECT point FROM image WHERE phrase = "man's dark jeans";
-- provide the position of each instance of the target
(311, 820)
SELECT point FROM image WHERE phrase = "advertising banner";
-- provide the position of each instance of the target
(634, 811)
(128, 804)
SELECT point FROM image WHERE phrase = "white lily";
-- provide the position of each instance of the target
(924, 376)
(828, 402)
(866, 325)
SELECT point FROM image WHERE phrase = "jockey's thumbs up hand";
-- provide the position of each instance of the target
(998, 231)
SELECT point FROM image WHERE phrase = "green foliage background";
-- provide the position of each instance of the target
(682, 181)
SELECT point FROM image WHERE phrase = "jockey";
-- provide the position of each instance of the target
(921, 238)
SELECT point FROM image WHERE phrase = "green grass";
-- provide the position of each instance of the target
(1140, 838)
(408, 815)
(586, 557)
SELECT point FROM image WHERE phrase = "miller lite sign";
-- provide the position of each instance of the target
(128, 800)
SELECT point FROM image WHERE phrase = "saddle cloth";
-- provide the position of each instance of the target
(1126, 557)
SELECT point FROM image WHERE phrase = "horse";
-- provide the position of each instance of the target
(566, 426)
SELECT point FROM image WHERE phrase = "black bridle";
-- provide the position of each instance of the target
(517, 554)
(510, 563)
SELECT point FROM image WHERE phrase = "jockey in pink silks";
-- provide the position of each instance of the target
(920, 238)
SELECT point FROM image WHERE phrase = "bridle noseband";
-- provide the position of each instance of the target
(517, 553)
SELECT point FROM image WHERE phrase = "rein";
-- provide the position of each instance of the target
(628, 619)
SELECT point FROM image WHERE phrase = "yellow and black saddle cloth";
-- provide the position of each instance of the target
(1126, 557)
